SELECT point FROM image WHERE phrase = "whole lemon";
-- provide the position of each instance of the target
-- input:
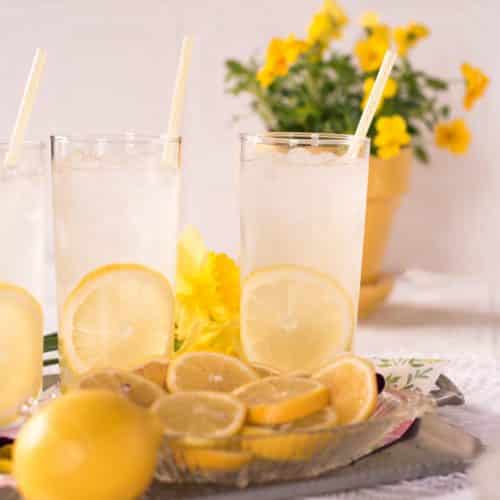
(87, 445)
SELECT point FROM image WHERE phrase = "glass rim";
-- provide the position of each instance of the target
(303, 138)
(116, 138)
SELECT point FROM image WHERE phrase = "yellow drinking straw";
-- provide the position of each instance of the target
(373, 102)
(25, 108)
(177, 105)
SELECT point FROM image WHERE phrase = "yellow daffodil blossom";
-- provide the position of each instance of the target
(369, 19)
(453, 135)
(390, 90)
(391, 135)
(280, 55)
(407, 36)
(327, 24)
(476, 83)
(207, 296)
(370, 52)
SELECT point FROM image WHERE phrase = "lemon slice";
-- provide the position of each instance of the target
(299, 440)
(203, 414)
(137, 389)
(264, 370)
(208, 371)
(154, 369)
(293, 318)
(117, 316)
(211, 459)
(21, 347)
(279, 400)
(353, 387)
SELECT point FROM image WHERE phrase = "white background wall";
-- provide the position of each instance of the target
(111, 66)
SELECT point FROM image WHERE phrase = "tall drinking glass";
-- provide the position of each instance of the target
(116, 208)
(22, 252)
(303, 201)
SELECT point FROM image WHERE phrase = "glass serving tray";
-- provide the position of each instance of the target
(244, 460)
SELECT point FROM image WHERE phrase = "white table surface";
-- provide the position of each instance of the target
(430, 315)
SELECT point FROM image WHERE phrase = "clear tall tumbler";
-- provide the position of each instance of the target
(116, 209)
(303, 201)
(23, 202)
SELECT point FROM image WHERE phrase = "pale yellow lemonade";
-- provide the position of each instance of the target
(22, 263)
(116, 212)
(303, 204)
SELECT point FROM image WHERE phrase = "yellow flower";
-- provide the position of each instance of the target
(453, 135)
(207, 296)
(391, 135)
(265, 76)
(381, 31)
(327, 24)
(226, 276)
(294, 48)
(407, 37)
(280, 55)
(476, 83)
(390, 90)
(211, 336)
(370, 52)
(369, 19)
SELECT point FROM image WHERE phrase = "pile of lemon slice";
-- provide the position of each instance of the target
(207, 399)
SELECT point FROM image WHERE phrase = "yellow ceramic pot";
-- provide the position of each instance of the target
(388, 180)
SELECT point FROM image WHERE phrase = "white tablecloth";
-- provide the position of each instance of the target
(434, 315)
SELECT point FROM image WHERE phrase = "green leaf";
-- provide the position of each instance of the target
(436, 83)
(420, 153)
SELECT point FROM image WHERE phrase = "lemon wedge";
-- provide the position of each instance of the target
(208, 371)
(117, 316)
(21, 347)
(279, 400)
(353, 387)
(294, 318)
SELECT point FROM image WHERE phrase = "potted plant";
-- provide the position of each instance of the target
(307, 85)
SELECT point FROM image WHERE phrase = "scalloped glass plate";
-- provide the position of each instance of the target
(252, 459)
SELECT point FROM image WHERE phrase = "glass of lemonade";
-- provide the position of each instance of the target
(303, 201)
(23, 202)
(116, 209)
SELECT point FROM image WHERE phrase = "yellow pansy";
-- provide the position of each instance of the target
(369, 19)
(391, 135)
(327, 24)
(407, 36)
(207, 296)
(390, 90)
(293, 48)
(476, 83)
(280, 55)
(382, 31)
(370, 52)
(453, 135)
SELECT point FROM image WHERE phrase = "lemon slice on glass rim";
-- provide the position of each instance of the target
(117, 316)
(294, 318)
